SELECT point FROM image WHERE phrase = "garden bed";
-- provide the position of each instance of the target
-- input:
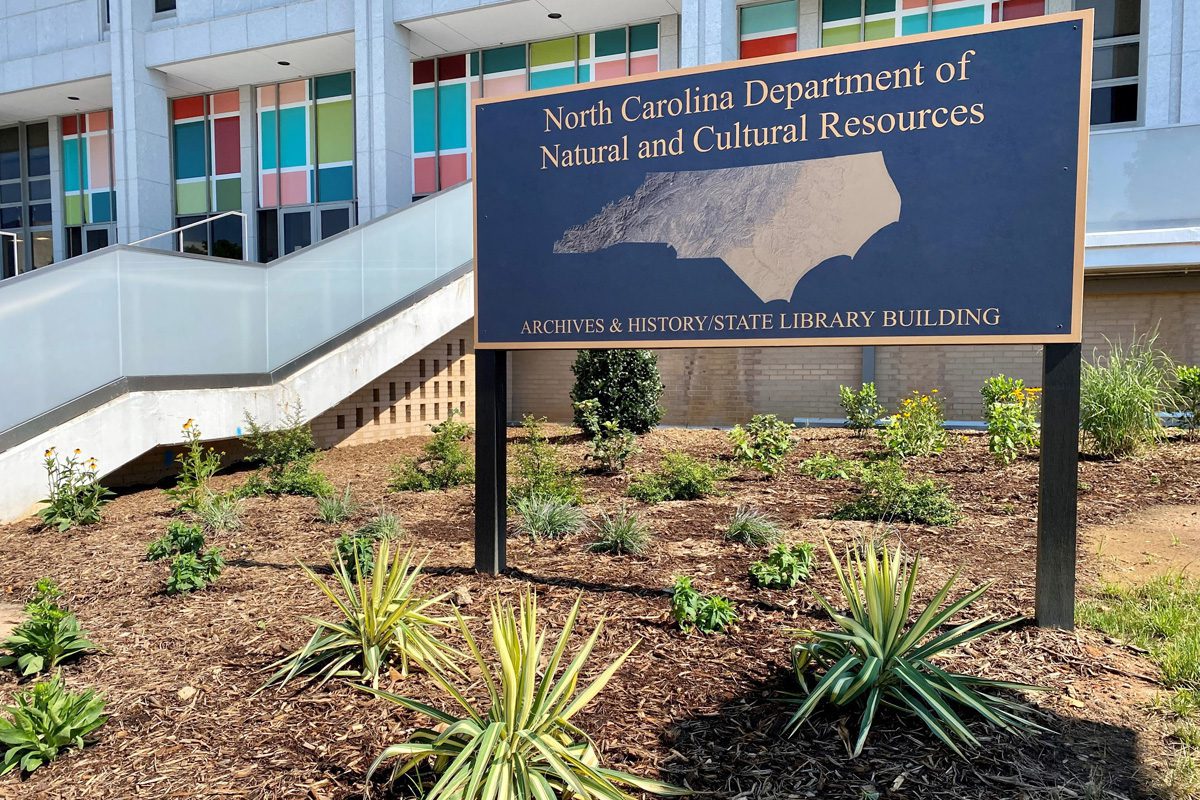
(180, 673)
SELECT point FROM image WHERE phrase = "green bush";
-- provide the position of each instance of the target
(334, 508)
(887, 495)
(179, 538)
(548, 517)
(826, 467)
(706, 613)
(50, 636)
(625, 383)
(281, 447)
(610, 446)
(621, 533)
(194, 571)
(1187, 388)
(763, 443)
(1121, 394)
(784, 567)
(751, 526)
(1011, 420)
(538, 470)
(917, 429)
(445, 462)
(45, 721)
(197, 465)
(220, 512)
(862, 408)
(384, 525)
(679, 477)
(75, 494)
(300, 479)
(999, 388)
(357, 553)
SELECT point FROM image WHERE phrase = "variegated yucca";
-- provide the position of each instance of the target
(524, 746)
(879, 658)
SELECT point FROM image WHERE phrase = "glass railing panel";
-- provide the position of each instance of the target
(454, 234)
(1144, 178)
(399, 255)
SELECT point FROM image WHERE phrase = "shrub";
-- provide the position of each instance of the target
(286, 445)
(179, 538)
(999, 389)
(610, 445)
(357, 553)
(1187, 387)
(384, 619)
(625, 383)
(829, 466)
(332, 508)
(253, 486)
(917, 428)
(622, 533)
(49, 637)
(763, 443)
(1121, 394)
(384, 525)
(679, 477)
(706, 613)
(299, 478)
(1011, 422)
(862, 408)
(548, 517)
(444, 462)
(220, 512)
(45, 721)
(75, 494)
(524, 745)
(879, 657)
(685, 600)
(784, 567)
(886, 494)
(751, 526)
(715, 614)
(194, 571)
(197, 464)
(538, 469)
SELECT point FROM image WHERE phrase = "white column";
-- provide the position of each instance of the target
(1189, 77)
(707, 32)
(668, 42)
(382, 110)
(1161, 82)
(56, 194)
(247, 128)
(808, 25)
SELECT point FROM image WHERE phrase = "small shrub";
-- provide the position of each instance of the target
(49, 637)
(715, 614)
(610, 446)
(300, 479)
(333, 508)
(197, 465)
(548, 517)
(706, 613)
(45, 721)
(621, 533)
(763, 443)
(999, 389)
(862, 408)
(75, 494)
(194, 571)
(784, 567)
(625, 383)
(384, 525)
(443, 463)
(1187, 388)
(917, 428)
(538, 471)
(1121, 394)
(357, 552)
(1012, 423)
(253, 486)
(826, 467)
(751, 526)
(288, 444)
(685, 600)
(220, 512)
(679, 477)
(179, 538)
(886, 494)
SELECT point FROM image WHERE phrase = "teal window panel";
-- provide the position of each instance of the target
(957, 18)
(424, 129)
(335, 184)
(190, 152)
(609, 43)
(643, 37)
(452, 116)
(333, 85)
(770, 17)
(269, 154)
(102, 207)
(503, 59)
(71, 165)
(880, 7)
(293, 136)
(914, 23)
(559, 76)
(834, 10)
(474, 63)
(585, 73)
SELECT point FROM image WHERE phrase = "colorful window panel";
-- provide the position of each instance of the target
(87, 159)
(848, 21)
(767, 29)
(207, 153)
(442, 92)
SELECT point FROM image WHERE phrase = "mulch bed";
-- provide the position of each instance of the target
(180, 673)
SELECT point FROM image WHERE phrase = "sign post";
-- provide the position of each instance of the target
(924, 190)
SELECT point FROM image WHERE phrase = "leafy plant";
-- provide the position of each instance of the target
(332, 508)
(784, 567)
(887, 494)
(75, 494)
(917, 428)
(1121, 394)
(685, 601)
(299, 478)
(763, 443)
(862, 408)
(384, 619)
(384, 525)
(548, 517)
(999, 389)
(194, 571)
(826, 467)
(444, 461)
(610, 445)
(705, 613)
(524, 745)
(626, 384)
(715, 614)
(357, 553)
(679, 477)
(46, 720)
(1011, 420)
(538, 471)
(50, 636)
(197, 465)
(878, 657)
(1187, 389)
(621, 533)
(288, 444)
(179, 538)
(753, 527)
(220, 512)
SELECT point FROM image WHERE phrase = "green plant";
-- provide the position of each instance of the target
(45, 721)
(679, 477)
(705, 613)
(179, 538)
(610, 446)
(763, 443)
(193, 571)
(917, 428)
(1121, 394)
(784, 567)
(538, 471)
(384, 619)
(443, 463)
(220, 512)
(299, 478)
(1011, 421)
(886, 494)
(49, 637)
(685, 600)
(197, 465)
(1187, 389)
(999, 388)
(357, 553)
(548, 517)
(878, 657)
(625, 383)
(753, 527)
(862, 408)
(524, 745)
(253, 486)
(75, 494)
(384, 525)
(287, 444)
(45, 597)
(620, 533)
(332, 508)
(715, 614)
(826, 467)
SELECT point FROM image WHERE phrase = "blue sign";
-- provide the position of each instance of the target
(928, 189)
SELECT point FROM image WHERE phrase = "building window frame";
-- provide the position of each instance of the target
(25, 258)
(1138, 80)
(181, 219)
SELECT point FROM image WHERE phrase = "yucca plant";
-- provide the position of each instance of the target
(384, 619)
(524, 746)
(878, 657)
(46, 720)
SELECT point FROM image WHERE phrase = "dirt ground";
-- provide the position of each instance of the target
(1149, 543)
(180, 673)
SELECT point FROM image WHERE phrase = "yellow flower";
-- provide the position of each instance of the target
(47, 453)
(188, 424)
(77, 451)
(935, 391)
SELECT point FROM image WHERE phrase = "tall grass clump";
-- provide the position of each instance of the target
(1121, 393)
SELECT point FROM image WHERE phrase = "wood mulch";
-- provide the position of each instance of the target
(180, 673)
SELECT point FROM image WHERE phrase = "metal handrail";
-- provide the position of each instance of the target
(16, 255)
(205, 221)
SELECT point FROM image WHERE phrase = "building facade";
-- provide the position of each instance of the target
(261, 127)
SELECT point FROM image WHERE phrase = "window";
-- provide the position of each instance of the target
(25, 217)
(89, 202)
(206, 156)
(163, 6)
(1116, 60)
